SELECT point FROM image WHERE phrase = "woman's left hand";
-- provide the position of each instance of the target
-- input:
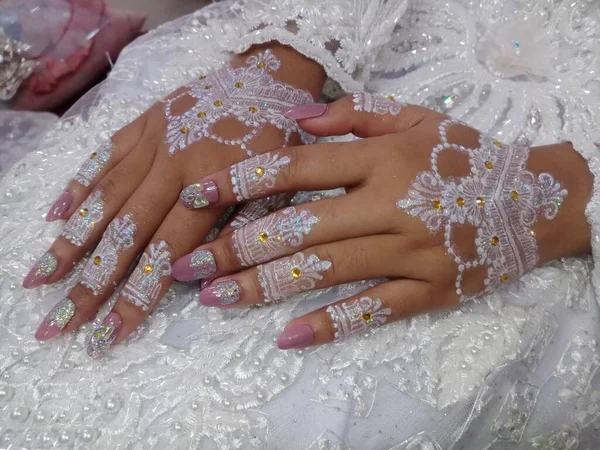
(442, 211)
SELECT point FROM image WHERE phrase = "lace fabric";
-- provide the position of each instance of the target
(514, 370)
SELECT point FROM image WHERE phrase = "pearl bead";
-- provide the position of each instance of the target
(40, 416)
(112, 403)
(19, 414)
(88, 434)
(64, 437)
(195, 405)
(6, 392)
(207, 380)
(226, 403)
(177, 426)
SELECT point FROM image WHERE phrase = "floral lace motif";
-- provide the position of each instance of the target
(500, 198)
(81, 224)
(252, 177)
(248, 94)
(356, 316)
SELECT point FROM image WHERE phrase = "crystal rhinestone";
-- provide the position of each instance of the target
(497, 143)
(185, 130)
(148, 268)
(93, 155)
(495, 241)
(296, 273)
(259, 171)
(239, 84)
(218, 103)
(367, 317)
(504, 277)
(260, 64)
(207, 86)
(514, 195)
(460, 201)
(201, 115)
(532, 233)
(83, 212)
(263, 236)
(489, 165)
(437, 204)
(97, 260)
(253, 109)
(480, 201)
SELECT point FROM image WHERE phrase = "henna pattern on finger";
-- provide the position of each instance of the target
(376, 104)
(256, 209)
(500, 198)
(272, 236)
(82, 222)
(94, 164)
(102, 265)
(255, 176)
(144, 285)
(289, 276)
(356, 316)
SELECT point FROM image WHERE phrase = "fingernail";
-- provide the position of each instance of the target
(199, 195)
(295, 336)
(194, 266)
(43, 268)
(221, 294)
(103, 335)
(206, 282)
(306, 111)
(56, 320)
(60, 207)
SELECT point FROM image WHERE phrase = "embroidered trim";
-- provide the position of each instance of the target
(253, 177)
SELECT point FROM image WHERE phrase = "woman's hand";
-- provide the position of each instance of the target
(441, 211)
(123, 202)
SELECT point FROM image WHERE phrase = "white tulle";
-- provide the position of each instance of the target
(515, 370)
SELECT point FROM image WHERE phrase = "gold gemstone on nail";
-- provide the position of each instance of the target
(504, 277)
(202, 77)
(259, 171)
(532, 233)
(207, 86)
(497, 143)
(460, 201)
(218, 103)
(437, 204)
(239, 84)
(93, 155)
(296, 273)
(263, 236)
(148, 268)
(495, 241)
(367, 317)
(489, 165)
(97, 260)
(253, 109)
(480, 201)
(201, 115)
(260, 64)
(514, 195)
(185, 130)
(83, 212)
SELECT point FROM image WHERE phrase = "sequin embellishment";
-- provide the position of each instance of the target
(82, 222)
(46, 265)
(272, 236)
(356, 316)
(144, 285)
(103, 262)
(500, 198)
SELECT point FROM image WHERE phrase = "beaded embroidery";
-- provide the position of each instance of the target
(144, 286)
(356, 316)
(499, 197)
(271, 236)
(103, 263)
(247, 94)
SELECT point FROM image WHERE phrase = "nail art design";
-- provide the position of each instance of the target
(144, 285)
(60, 207)
(308, 111)
(199, 195)
(375, 104)
(356, 316)
(103, 335)
(253, 177)
(248, 95)
(56, 320)
(94, 164)
(43, 268)
(221, 294)
(289, 276)
(203, 263)
(82, 222)
(100, 267)
(272, 236)
(256, 209)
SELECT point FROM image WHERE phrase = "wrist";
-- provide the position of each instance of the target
(569, 233)
(296, 69)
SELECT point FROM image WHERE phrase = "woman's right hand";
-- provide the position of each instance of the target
(123, 202)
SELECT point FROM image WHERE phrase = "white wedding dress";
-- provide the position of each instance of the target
(515, 370)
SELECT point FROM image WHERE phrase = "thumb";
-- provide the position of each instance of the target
(364, 115)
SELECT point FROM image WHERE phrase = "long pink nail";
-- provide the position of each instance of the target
(221, 294)
(56, 320)
(60, 207)
(103, 335)
(206, 282)
(199, 195)
(194, 266)
(295, 336)
(43, 268)
(306, 111)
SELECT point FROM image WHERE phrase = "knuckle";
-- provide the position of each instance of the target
(227, 255)
(252, 289)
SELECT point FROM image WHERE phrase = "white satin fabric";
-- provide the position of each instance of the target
(515, 370)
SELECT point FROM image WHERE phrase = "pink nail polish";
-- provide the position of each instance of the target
(60, 207)
(194, 266)
(221, 294)
(43, 268)
(103, 335)
(295, 336)
(306, 111)
(199, 195)
(56, 320)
